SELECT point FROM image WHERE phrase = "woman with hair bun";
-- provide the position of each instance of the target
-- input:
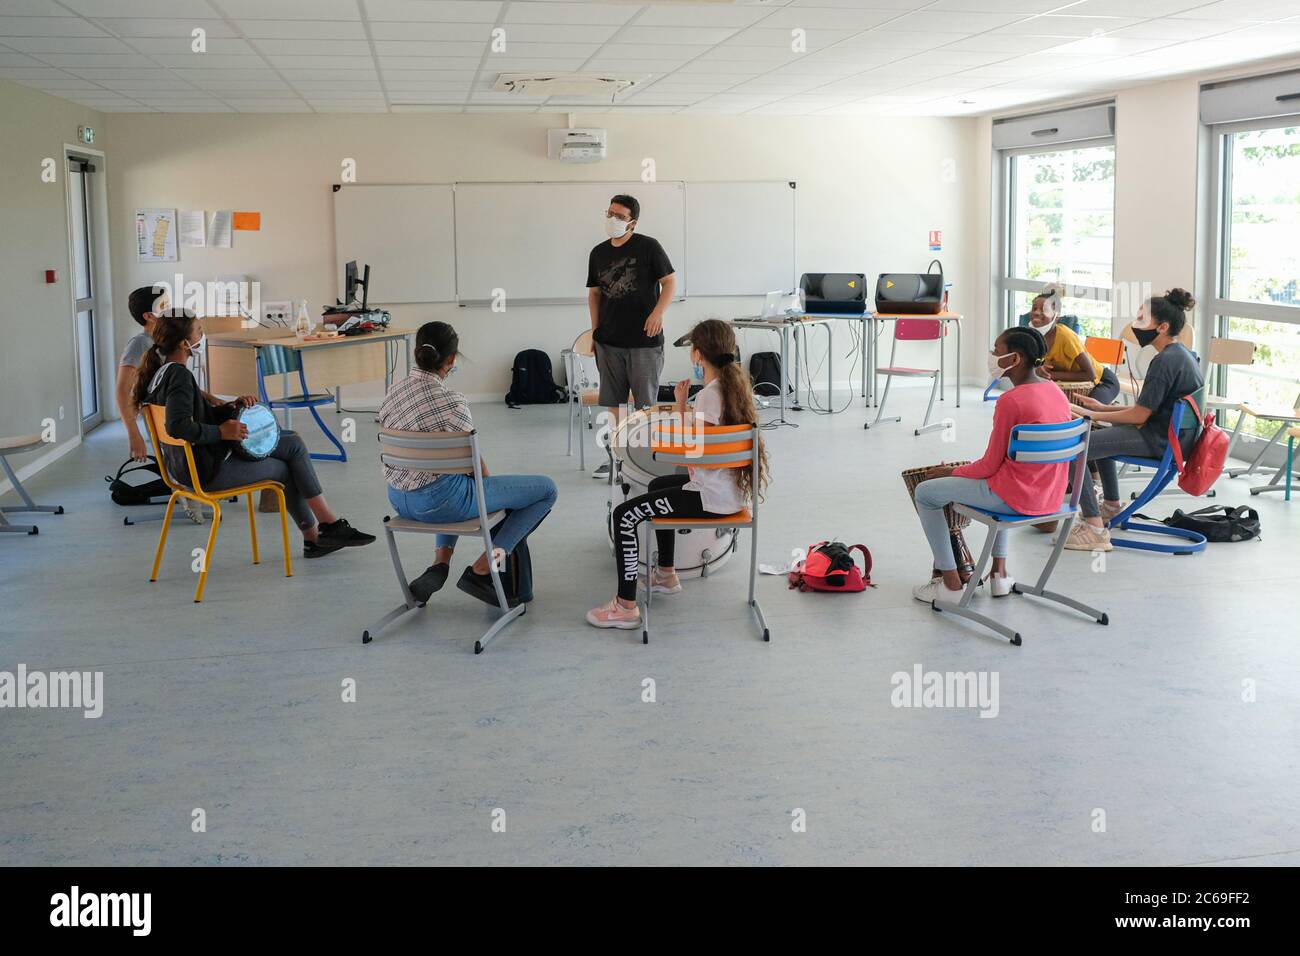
(422, 402)
(995, 482)
(1140, 429)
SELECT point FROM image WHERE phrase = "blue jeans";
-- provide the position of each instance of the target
(932, 495)
(450, 498)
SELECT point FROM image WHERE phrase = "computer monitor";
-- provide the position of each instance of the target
(350, 283)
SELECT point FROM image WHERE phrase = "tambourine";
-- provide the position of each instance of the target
(263, 433)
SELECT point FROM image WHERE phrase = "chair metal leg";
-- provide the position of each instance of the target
(1040, 589)
(1290, 458)
(252, 526)
(753, 578)
(284, 530)
(30, 506)
(880, 408)
(162, 536)
(962, 609)
(408, 599)
(1123, 522)
(342, 455)
(926, 424)
(1236, 433)
(1238, 472)
(207, 553)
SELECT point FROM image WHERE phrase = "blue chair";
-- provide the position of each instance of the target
(1071, 322)
(1044, 445)
(1164, 470)
(278, 360)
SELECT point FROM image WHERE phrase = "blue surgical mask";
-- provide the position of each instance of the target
(697, 372)
(455, 367)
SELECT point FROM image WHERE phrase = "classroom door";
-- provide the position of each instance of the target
(81, 205)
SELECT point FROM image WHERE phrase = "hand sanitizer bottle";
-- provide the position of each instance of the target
(303, 325)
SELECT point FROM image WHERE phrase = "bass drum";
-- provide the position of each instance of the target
(699, 551)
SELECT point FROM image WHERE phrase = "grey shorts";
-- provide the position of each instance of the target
(624, 370)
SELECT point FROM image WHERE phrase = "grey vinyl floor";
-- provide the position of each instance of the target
(1136, 743)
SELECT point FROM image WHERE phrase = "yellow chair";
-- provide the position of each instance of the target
(155, 419)
(707, 446)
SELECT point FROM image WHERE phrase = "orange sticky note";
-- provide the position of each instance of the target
(247, 221)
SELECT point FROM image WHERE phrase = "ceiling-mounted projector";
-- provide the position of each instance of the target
(576, 145)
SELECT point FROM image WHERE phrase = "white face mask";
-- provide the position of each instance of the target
(199, 345)
(996, 371)
(1044, 328)
(615, 228)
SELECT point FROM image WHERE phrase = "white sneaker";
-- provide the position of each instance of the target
(1001, 584)
(1084, 537)
(1109, 510)
(934, 589)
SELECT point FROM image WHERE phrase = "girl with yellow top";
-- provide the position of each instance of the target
(1067, 359)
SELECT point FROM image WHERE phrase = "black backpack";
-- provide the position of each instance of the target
(531, 381)
(1218, 523)
(765, 373)
(125, 493)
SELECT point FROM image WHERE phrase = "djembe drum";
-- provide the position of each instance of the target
(956, 521)
(1075, 388)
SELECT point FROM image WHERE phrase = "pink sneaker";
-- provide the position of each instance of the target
(664, 582)
(616, 615)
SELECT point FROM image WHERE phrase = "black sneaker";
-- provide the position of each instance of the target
(321, 547)
(431, 581)
(601, 473)
(344, 535)
(480, 586)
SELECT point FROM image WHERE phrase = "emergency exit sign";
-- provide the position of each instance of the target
(86, 134)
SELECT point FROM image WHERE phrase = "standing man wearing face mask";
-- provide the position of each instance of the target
(630, 282)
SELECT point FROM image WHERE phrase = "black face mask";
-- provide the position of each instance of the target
(1145, 336)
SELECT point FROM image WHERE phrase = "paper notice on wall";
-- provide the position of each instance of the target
(155, 235)
(219, 229)
(248, 221)
(193, 229)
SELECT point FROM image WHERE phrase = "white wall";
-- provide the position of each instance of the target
(37, 358)
(869, 190)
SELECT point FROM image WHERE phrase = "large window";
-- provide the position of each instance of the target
(1060, 228)
(1257, 297)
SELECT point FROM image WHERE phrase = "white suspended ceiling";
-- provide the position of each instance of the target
(900, 57)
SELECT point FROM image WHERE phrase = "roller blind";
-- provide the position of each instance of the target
(1055, 128)
(1260, 97)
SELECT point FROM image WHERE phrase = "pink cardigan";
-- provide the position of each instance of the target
(1028, 488)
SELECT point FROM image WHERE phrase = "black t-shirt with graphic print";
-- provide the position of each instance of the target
(628, 278)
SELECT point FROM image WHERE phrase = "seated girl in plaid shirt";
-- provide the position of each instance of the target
(423, 402)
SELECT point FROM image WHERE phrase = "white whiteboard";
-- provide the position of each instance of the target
(532, 239)
(407, 235)
(740, 237)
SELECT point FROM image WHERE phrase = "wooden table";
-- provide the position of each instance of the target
(332, 363)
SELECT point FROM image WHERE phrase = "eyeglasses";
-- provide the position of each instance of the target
(614, 215)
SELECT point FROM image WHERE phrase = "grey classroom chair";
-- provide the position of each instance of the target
(1039, 444)
(16, 446)
(440, 453)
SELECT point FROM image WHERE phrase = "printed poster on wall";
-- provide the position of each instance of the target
(155, 235)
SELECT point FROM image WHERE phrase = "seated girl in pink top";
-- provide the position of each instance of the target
(995, 482)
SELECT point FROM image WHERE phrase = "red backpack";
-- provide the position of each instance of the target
(1203, 466)
(830, 567)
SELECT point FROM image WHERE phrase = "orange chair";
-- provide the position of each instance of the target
(155, 419)
(1105, 351)
(707, 446)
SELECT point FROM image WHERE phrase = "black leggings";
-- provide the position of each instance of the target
(1106, 390)
(666, 498)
